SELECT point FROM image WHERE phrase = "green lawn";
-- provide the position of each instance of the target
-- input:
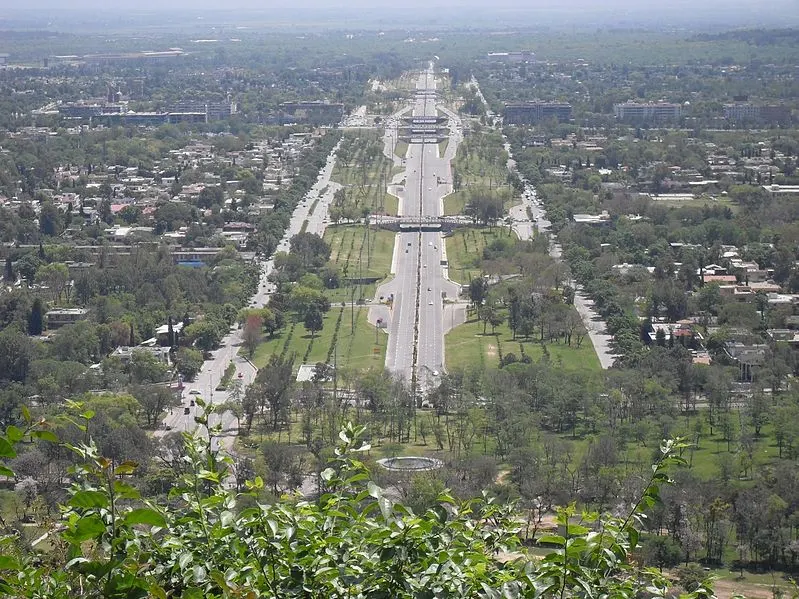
(465, 251)
(467, 345)
(456, 202)
(364, 171)
(354, 256)
(355, 350)
(401, 148)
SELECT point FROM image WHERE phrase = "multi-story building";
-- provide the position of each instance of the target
(314, 113)
(743, 112)
(647, 112)
(525, 113)
(65, 316)
(214, 111)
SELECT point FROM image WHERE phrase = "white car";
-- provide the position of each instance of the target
(194, 392)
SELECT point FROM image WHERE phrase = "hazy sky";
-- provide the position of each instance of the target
(638, 6)
(744, 12)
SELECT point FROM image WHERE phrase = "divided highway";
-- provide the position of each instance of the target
(416, 322)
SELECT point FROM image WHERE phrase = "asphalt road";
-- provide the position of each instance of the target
(419, 285)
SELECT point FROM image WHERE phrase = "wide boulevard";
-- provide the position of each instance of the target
(419, 287)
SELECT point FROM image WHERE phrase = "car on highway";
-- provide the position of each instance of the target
(428, 288)
(194, 392)
(430, 303)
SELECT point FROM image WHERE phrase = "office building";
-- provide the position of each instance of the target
(647, 112)
(744, 112)
(528, 113)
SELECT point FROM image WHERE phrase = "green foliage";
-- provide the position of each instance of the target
(210, 542)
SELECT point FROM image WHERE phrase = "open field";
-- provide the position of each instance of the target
(465, 250)
(364, 172)
(401, 148)
(358, 256)
(466, 345)
(356, 347)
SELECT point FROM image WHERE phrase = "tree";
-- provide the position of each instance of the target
(313, 320)
(153, 400)
(188, 362)
(36, 318)
(205, 334)
(16, 354)
(56, 277)
(144, 367)
(251, 334)
(478, 288)
(274, 382)
(311, 249)
(76, 343)
(51, 220)
(211, 196)
(8, 273)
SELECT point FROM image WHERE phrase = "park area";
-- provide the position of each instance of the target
(358, 252)
(346, 338)
(465, 251)
(364, 173)
(467, 345)
(479, 171)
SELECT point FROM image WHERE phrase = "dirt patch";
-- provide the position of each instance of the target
(491, 351)
(726, 589)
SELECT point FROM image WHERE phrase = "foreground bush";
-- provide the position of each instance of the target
(209, 542)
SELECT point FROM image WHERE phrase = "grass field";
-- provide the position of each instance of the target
(357, 257)
(365, 172)
(465, 250)
(467, 345)
(401, 148)
(355, 349)
(348, 251)
(456, 202)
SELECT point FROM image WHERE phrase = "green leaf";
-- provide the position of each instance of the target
(88, 414)
(88, 499)
(87, 528)
(632, 534)
(5, 471)
(13, 433)
(127, 467)
(145, 516)
(551, 540)
(576, 529)
(6, 449)
(8, 563)
(184, 559)
(26, 413)
(157, 592)
(45, 436)
(126, 491)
